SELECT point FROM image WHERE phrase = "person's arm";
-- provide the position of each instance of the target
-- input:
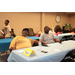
(56, 40)
(13, 44)
(34, 41)
(9, 29)
(13, 48)
(41, 39)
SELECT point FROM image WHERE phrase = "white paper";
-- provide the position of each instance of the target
(1, 31)
(56, 50)
(21, 51)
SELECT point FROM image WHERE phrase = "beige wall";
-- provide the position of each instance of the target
(20, 20)
(72, 20)
(35, 20)
(49, 19)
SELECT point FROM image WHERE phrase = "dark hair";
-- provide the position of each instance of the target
(12, 30)
(7, 21)
(46, 26)
(64, 27)
(73, 29)
(25, 29)
(49, 28)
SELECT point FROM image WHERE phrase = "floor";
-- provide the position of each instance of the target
(4, 56)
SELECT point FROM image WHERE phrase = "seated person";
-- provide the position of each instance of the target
(47, 37)
(64, 29)
(72, 31)
(12, 33)
(21, 41)
(59, 31)
(38, 34)
(52, 30)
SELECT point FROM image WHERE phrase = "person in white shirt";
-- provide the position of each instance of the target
(52, 30)
(48, 37)
(7, 29)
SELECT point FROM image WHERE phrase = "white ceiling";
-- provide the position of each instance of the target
(65, 12)
(68, 12)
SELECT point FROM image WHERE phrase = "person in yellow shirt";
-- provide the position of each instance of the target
(21, 41)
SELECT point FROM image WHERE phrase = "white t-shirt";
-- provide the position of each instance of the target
(7, 30)
(48, 38)
(50, 31)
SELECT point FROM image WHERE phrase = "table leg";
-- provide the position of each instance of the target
(0, 57)
(6, 55)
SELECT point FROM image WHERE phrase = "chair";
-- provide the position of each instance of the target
(73, 37)
(69, 56)
(65, 38)
(31, 32)
(1, 37)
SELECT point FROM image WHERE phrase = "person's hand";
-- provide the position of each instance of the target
(13, 48)
(44, 43)
(60, 41)
(11, 34)
(36, 42)
(4, 33)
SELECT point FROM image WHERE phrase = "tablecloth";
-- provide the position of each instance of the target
(56, 52)
(4, 43)
(59, 36)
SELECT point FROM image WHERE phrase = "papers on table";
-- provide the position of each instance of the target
(1, 31)
(21, 51)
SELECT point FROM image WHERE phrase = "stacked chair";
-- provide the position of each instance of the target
(69, 57)
(66, 38)
(31, 32)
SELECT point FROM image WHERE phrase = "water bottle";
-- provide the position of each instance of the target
(40, 45)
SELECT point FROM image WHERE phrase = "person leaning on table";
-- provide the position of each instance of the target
(21, 41)
(47, 37)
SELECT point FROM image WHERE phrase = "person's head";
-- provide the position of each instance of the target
(12, 30)
(73, 30)
(25, 32)
(49, 28)
(46, 29)
(52, 29)
(64, 27)
(6, 22)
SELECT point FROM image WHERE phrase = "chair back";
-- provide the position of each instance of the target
(65, 38)
(69, 56)
(31, 32)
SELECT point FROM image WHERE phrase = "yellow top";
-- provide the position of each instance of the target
(21, 42)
